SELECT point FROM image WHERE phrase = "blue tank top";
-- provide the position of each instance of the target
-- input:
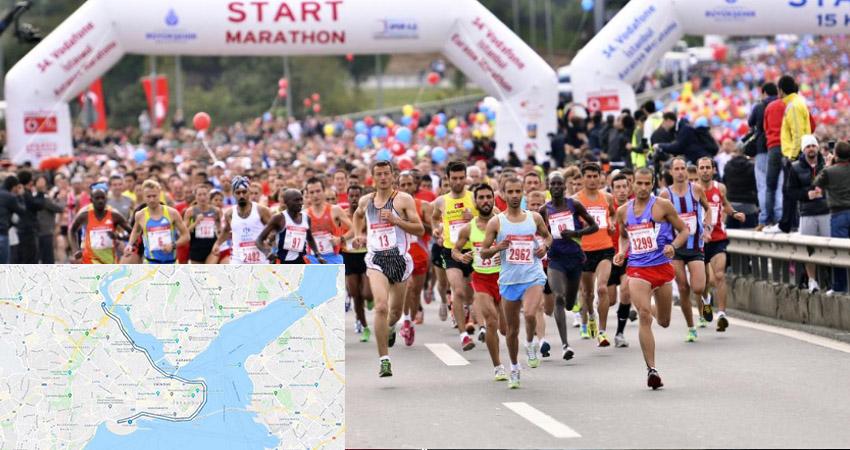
(690, 211)
(563, 247)
(647, 238)
(519, 264)
(158, 233)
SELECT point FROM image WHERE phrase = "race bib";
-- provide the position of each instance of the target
(159, 237)
(521, 249)
(101, 238)
(296, 239)
(205, 229)
(642, 239)
(600, 215)
(454, 229)
(492, 262)
(561, 221)
(715, 215)
(324, 241)
(690, 220)
(249, 253)
(381, 236)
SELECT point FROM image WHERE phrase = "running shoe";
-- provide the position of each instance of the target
(692, 335)
(531, 353)
(576, 320)
(707, 312)
(407, 333)
(584, 333)
(544, 349)
(653, 379)
(592, 328)
(500, 375)
(813, 286)
(386, 368)
(366, 334)
(444, 312)
(467, 343)
(391, 340)
(419, 318)
(722, 323)
(633, 315)
(620, 341)
(482, 334)
(702, 323)
(370, 304)
(603, 340)
(568, 353)
(358, 327)
(514, 381)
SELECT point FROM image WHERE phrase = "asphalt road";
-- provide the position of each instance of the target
(754, 386)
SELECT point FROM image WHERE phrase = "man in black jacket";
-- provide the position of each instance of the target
(692, 142)
(10, 203)
(740, 180)
(814, 211)
(665, 133)
(28, 224)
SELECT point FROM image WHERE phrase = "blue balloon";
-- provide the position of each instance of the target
(360, 127)
(715, 121)
(376, 131)
(441, 131)
(674, 95)
(361, 141)
(659, 105)
(384, 155)
(452, 150)
(439, 155)
(587, 5)
(406, 120)
(442, 117)
(491, 115)
(468, 145)
(404, 135)
(140, 156)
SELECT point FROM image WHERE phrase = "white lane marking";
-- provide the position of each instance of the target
(447, 355)
(542, 420)
(793, 334)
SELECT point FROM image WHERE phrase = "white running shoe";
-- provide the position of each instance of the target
(773, 229)
(813, 286)
(576, 320)
(620, 341)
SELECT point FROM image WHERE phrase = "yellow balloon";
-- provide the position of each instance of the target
(407, 110)
(480, 117)
(329, 130)
(452, 124)
(476, 134)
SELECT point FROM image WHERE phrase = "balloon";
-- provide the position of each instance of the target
(431, 129)
(201, 121)
(348, 124)
(442, 117)
(361, 141)
(308, 102)
(397, 148)
(317, 108)
(452, 124)
(407, 110)
(587, 5)
(140, 155)
(441, 131)
(369, 121)
(433, 78)
(415, 116)
(329, 129)
(384, 155)
(376, 132)
(404, 135)
(315, 97)
(467, 144)
(452, 150)
(281, 92)
(480, 117)
(439, 155)
(422, 154)
(406, 120)
(349, 57)
(405, 164)
(282, 83)
(491, 115)
(436, 120)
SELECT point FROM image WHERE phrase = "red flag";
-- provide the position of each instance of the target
(161, 109)
(93, 98)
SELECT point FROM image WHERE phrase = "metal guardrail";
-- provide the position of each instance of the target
(458, 103)
(770, 256)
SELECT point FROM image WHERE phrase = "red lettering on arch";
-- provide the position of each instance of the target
(260, 6)
(265, 37)
(284, 12)
(312, 9)
(333, 4)
(236, 8)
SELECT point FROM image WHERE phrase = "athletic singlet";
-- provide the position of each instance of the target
(384, 236)
(690, 211)
(292, 239)
(559, 221)
(647, 238)
(519, 264)
(715, 202)
(324, 229)
(423, 240)
(99, 245)
(203, 237)
(480, 265)
(347, 246)
(453, 209)
(244, 233)
(157, 234)
(598, 209)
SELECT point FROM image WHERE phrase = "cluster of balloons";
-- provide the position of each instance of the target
(313, 101)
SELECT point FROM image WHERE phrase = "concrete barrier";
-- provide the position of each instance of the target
(785, 302)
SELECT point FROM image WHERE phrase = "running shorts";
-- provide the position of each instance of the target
(420, 259)
(688, 255)
(514, 292)
(487, 283)
(355, 263)
(395, 266)
(713, 249)
(450, 263)
(656, 276)
(617, 272)
(596, 257)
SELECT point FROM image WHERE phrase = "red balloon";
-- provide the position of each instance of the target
(201, 121)
(369, 121)
(433, 78)
(281, 92)
(283, 83)
(405, 164)
(349, 124)
(397, 148)
(435, 120)
(349, 57)
(308, 102)
(415, 117)
(317, 108)
(315, 97)
(431, 129)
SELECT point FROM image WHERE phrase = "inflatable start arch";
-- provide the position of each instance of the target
(96, 36)
(605, 70)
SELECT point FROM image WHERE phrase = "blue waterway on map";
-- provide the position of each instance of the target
(224, 423)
